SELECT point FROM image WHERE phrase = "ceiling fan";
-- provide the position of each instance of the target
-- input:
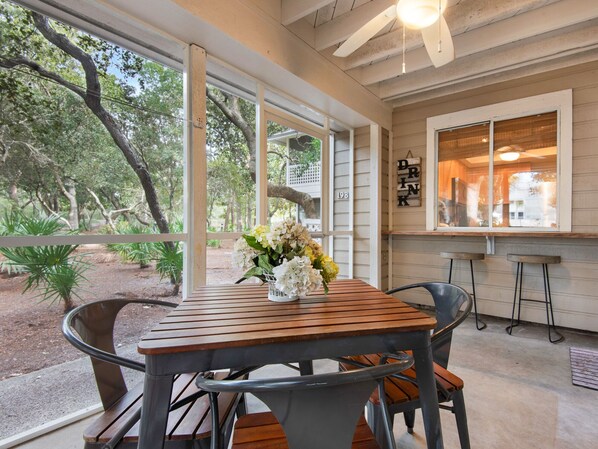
(510, 153)
(424, 15)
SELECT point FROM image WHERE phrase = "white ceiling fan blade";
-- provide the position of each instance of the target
(432, 36)
(537, 156)
(366, 32)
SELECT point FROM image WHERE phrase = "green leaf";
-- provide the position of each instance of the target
(264, 262)
(253, 243)
(255, 271)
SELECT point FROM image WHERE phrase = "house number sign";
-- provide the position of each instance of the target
(409, 182)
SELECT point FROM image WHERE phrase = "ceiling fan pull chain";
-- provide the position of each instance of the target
(404, 67)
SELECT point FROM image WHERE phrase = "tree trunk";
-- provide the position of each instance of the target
(68, 304)
(73, 206)
(13, 193)
(91, 95)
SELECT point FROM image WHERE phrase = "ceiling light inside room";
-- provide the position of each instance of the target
(509, 156)
(418, 14)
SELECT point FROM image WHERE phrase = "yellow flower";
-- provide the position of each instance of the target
(329, 269)
(260, 232)
(315, 248)
(308, 252)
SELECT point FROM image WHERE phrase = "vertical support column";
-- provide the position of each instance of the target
(325, 178)
(375, 197)
(261, 157)
(351, 200)
(195, 168)
(392, 192)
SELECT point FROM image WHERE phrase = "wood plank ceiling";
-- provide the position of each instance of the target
(494, 40)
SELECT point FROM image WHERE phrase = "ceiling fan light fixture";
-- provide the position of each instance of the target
(509, 156)
(418, 14)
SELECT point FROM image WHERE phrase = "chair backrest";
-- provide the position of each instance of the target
(318, 411)
(90, 328)
(449, 299)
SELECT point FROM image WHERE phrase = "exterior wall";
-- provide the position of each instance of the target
(341, 218)
(362, 205)
(573, 282)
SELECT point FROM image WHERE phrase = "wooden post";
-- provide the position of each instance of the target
(195, 193)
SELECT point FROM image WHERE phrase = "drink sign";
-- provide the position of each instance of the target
(409, 182)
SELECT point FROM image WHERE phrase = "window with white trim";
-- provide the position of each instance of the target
(501, 167)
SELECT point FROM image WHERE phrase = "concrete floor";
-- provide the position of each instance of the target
(518, 394)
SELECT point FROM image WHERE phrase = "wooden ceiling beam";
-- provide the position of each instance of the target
(466, 16)
(515, 29)
(294, 10)
(343, 26)
(579, 39)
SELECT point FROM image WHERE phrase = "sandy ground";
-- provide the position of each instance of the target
(38, 366)
(30, 337)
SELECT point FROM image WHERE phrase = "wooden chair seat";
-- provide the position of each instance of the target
(190, 422)
(400, 391)
(262, 430)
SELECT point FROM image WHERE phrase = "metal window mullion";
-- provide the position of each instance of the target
(261, 158)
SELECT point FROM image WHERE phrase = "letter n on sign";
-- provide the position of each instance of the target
(409, 182)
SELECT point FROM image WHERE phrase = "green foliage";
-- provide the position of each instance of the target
(139, 252)
(213, 243)
(54, 270)
(49, 131)
(169, 263)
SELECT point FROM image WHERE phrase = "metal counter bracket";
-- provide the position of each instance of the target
(490, 245)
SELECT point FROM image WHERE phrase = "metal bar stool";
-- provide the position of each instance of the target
(479, 324)
(544, 261)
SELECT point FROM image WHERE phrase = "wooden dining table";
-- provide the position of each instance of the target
(236, 326)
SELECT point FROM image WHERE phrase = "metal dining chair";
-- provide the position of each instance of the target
(90, 328)
(402, 393)
(321, 411)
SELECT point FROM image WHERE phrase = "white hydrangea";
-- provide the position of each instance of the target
(296, 277)
(288, 233)
(243, 254)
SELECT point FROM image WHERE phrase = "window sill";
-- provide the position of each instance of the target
(533, 234)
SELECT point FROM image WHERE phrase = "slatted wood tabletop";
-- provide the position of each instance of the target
(236, 316)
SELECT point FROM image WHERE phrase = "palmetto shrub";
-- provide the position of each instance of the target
(54, 270)
(139, 252)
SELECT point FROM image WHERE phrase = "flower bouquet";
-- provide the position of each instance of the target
(287, 258)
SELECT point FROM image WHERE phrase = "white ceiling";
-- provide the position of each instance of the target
(494, 40)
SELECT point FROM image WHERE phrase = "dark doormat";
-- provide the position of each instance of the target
(584, 367)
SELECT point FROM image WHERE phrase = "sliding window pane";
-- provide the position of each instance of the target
(525, 172)
(463, 166)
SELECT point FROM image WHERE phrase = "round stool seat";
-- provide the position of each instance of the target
(525, 258)
(462, 256)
